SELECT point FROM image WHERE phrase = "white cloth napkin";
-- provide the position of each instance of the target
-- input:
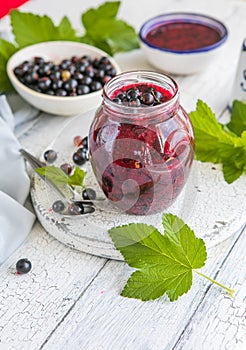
(15, 220)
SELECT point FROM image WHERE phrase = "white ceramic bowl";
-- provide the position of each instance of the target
(182, 61)
(56, 51)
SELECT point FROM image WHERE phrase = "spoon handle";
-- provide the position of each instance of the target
(36, 163)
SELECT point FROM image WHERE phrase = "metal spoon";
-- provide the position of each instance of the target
(67, 194)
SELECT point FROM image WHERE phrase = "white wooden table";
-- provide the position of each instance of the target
(71, 300)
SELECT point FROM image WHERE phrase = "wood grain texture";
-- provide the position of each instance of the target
(220, 321)
(102, 319)
(32, 305)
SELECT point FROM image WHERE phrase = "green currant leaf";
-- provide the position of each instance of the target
(77, 178)
(212, 142)
(238, 118)
(53, 174)
(192, 250)
(59, 178)
(30, 29)
(107, 32)
(152, 282)
(108, 10)
(218, 144)
(6, 51)
(66, 31)
(231, 172)
(165, 262)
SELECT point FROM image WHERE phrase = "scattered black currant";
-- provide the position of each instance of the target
(67, 168)
(50, 155)
(89, 210)
(75, 209)
(23, 266)
(80, 156)
(81, 206)
(85, 142)
(77, 140)
(58, 206)
(89, 194)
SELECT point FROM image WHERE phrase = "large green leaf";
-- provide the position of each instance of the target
(30, 29)
(165, 262)
(238, 118)
(7, 49)
(107, 11)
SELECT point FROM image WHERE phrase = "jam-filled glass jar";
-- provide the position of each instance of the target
(141, 142)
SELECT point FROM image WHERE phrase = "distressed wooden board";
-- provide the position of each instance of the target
(214, 209)
(103, 320)
(33, 305)
(220, 321)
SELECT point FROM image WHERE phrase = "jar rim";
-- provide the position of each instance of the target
(138, 76)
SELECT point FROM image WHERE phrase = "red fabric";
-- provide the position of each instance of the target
(7, 5)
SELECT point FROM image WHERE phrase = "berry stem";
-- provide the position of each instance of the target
(230, 291)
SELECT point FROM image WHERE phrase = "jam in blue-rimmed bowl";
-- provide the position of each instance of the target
(183, 43)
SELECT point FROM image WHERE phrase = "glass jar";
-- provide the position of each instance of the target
(141, 142)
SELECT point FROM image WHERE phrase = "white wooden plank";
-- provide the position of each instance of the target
(40, 132)
(220, 321)
(32, 305)
(102, 319)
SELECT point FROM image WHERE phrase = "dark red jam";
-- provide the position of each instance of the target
(182, 36)
(140, 165)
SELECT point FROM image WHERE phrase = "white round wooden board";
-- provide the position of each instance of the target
(211, 207)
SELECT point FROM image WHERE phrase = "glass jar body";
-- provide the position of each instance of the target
(141, 156)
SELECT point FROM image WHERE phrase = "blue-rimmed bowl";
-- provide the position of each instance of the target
(182, 60)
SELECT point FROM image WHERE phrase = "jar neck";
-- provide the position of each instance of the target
(141, 114)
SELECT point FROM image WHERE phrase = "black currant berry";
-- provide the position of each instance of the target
(86, 81)
(89, 194)
(147, 98)
(80, 205)
(85, 142)
(23, 266)
(67, 168)
(134, 102)
(75, 209)
(80, 157)
(71, 77)
(58, 206)
(50, 155)
(95, 86)
(89, 210)
(61, 92)
(83, 90)
(70, 85)
(117, 100)
(44, 83)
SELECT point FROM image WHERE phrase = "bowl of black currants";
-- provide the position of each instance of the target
(61, 77)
